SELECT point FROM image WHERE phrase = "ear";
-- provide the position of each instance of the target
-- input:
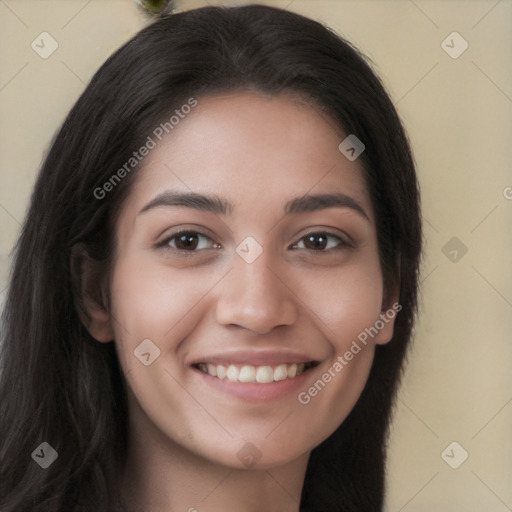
(389, 310)
(90, 295)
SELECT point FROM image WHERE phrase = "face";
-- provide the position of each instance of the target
(246, 291)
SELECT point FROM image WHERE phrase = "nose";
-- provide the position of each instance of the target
(255, 296)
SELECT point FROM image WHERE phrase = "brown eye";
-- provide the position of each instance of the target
(188, 241)
(318, 241)
(322, 242)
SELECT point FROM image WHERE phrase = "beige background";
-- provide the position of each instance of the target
(458, 114)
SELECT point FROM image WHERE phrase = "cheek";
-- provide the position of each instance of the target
(345, 301)
(343, 304)
(328, 398)
(152, 301)
(155, 302)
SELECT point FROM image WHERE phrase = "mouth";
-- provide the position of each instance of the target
(246, 373)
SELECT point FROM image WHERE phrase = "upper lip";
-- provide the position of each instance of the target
(255, 357)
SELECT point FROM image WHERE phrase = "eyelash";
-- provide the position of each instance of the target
(343, 243)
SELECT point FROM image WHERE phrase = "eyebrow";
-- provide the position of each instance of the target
(215, 204)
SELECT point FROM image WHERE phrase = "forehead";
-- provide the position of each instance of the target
(255, 151)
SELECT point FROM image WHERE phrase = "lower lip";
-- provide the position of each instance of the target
(255, 392)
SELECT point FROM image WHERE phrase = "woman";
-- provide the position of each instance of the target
(215, 286)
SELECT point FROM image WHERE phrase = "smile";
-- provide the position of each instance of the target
(258, 374)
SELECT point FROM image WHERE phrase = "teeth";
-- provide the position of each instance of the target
(232, 373)
(264, 375)
(221, 372)
(249, 373)
(281, 372)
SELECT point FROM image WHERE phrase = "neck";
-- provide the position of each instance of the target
(163, 476)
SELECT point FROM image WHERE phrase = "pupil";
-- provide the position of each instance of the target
(188, 241)
(319, 245)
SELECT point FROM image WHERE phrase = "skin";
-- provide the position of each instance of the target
(258, 153)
